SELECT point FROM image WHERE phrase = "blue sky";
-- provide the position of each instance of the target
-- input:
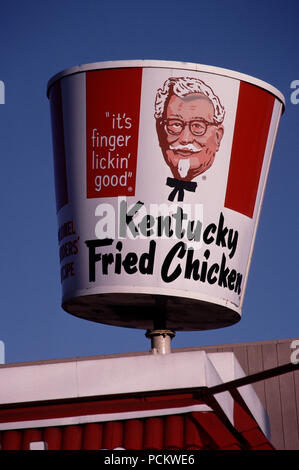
(37, 40)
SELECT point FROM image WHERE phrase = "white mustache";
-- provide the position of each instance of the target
(190, 147)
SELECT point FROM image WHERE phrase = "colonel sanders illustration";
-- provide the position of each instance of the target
(189, 119)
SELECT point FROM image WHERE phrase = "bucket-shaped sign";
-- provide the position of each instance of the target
(160, 171)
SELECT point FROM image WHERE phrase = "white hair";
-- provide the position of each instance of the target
(183, 86)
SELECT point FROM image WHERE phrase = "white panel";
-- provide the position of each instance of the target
(142, 373)
(229, 369)
(38, 445)
(37, 382)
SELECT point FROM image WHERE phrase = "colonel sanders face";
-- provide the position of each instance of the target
(191, 137)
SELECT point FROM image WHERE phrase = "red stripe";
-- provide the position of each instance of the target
(253, 117)
(112, 113)
(53, 437)
(60, 410)
(113, 435)
(92, 439)
(31, 435)
(193, 437)
(154, 434)
(11, 440)
(174, 432)
(72, 438)
(133, 434)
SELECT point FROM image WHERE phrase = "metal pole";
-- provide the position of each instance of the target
(160, 340)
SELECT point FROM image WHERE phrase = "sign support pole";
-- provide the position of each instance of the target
(160, 340)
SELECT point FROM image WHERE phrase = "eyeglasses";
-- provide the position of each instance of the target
(197, 127)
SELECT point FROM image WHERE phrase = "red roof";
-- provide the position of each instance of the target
(195, 430)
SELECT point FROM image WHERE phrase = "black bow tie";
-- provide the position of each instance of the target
(179, 187)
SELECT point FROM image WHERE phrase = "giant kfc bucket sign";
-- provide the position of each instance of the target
(160, 170)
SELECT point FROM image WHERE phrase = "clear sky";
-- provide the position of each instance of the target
(39, 39)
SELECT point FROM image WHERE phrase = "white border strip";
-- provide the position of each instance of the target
(168, 64)
(101, 418)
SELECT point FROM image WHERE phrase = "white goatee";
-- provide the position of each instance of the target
(183, 167)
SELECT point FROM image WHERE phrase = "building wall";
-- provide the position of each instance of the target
(279, 395)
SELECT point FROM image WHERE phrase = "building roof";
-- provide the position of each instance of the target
(142, 401)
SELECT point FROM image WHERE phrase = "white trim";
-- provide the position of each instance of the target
(101, 418)
(107, 376)
(168, 64)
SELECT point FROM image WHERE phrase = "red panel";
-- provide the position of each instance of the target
(30, 435)
(216, 429)
(113, 435)
(92, 436)
(133, 434)
(174, 432)
(242, 419)
(11, 440)
(72, 438)
(254, 112)
(59, 410)
(192, 438)
(154, 434)
(194, 431)
(112, 123)
(195, 437)
(264, 446)
(255, 437)
(233, 447)
(53, 437)
(247, 425)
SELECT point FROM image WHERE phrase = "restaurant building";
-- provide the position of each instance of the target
(226, 397)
